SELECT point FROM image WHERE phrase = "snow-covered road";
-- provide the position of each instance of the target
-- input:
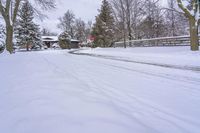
(58, 92)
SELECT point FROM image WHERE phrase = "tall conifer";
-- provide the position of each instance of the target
(103, 29)
(27, 32)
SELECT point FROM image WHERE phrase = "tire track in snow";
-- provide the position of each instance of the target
(116, 99)
(103, 93)
(190, 80)
(161, 114)
(190, 68)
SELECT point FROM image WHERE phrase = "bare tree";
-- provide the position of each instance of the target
(80, 28)
(137, 19)
(120, 18)
(47, 32)
(175, 20)
(128, 15)
(67, 23)
(88, 30)
(138, 14)
(191, 10)
(153, 23)
(128, 12)
(9, 10)
(171, 15)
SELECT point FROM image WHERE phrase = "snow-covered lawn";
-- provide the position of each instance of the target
(176, 56)
(118, 91)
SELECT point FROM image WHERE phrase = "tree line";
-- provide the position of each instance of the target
(123, 20)
(26, 32)
(75, 27)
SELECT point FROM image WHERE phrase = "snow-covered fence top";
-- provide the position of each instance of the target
(161, 41)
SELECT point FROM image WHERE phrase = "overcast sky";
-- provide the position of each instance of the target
(84, 9)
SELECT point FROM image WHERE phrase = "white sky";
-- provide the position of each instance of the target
(84, 9)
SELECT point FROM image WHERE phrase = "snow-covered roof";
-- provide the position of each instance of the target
(74, 40)
(49, 38)
(54, 39)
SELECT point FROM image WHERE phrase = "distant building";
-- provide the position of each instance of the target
(49, 41)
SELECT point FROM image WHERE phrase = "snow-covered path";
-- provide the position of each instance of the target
(57, 92)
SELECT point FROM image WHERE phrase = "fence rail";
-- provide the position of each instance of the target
(163, 41)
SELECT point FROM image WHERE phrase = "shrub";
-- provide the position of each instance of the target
(64, 40)
(2, 48)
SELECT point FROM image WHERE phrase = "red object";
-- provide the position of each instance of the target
(92, 38)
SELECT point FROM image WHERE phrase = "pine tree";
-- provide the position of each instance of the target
(27, 32)
(103, 29)
(2, 38)
(37, 37)
(2, 35)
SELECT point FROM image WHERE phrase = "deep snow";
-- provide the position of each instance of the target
(58, 92)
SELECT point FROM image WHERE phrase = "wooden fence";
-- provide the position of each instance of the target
(162, 41)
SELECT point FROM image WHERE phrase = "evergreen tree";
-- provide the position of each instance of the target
(64, 40)
(27, 32)
(103, 29)
(37, 37)
(2, 35)
(2, 38)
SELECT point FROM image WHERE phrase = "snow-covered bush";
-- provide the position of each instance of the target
(55, 46)
(64, 40)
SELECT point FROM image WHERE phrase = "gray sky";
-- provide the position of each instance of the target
(84, 9)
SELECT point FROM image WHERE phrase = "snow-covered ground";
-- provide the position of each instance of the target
(176, 56)
(58, 92)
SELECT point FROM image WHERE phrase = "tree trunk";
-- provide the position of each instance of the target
(130, 36)
(27, 46)
(9, 39)
(128, 16)
(124, 33)
(124, 38)
(194, 39)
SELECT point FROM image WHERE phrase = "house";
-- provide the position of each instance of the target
(49, 41)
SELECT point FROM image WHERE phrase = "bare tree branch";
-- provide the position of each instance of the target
(185, 10)
(171, 9)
